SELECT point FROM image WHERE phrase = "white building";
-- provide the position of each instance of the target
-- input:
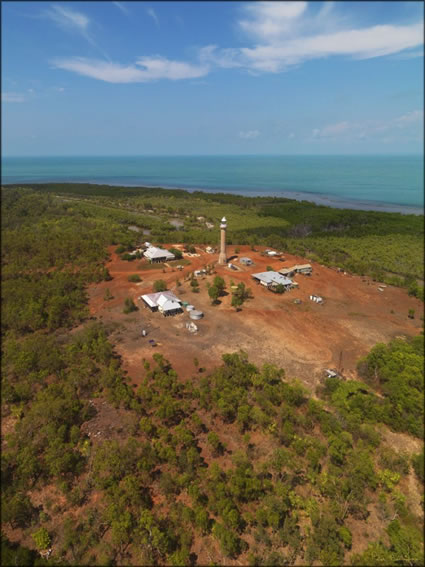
(154, 254)
(272, 279)
(164, 301)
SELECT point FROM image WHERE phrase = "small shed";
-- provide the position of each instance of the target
(305, 269)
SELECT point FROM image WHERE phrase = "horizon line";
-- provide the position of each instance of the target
(413, 154)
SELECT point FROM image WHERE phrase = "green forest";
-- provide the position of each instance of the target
(312, 468)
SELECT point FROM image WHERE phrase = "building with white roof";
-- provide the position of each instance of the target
(164, 301)
(154, 254)
(272, 279)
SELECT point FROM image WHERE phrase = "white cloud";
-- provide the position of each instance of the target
(249, 134)
(334, 129)
(366, 43)
(288, 33)
(409, 121)
(269, 20)
(153, 15)
(122, 7)
(74, 22)
(13, 97)
(282, 35)
(67, 18)
(145, 69)
(413, 117)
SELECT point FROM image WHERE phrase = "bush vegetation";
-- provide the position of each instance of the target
(305, 471)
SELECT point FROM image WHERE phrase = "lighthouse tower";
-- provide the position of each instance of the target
(222, 258)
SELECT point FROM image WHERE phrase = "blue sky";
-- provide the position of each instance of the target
(170, 78)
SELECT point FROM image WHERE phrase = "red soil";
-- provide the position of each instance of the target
(303, 339)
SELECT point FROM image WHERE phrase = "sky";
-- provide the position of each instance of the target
(201, 78)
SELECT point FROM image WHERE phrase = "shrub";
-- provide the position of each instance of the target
(134, 278)
(177, 253)
(418, 465)
(194, 285)
(159, 285)
(128, 257)
(108, 295)
(129, 306)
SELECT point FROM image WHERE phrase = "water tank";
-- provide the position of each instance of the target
(190, 307)
(196, 314)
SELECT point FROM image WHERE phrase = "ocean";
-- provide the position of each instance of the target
(383, 183)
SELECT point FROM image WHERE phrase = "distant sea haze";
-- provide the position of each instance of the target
(383, 183)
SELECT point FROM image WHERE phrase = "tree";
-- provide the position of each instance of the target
(220, 284)
(42, 539)
(159, 285)
(214, 293)
(216, 444)
(239, 296)
(418, 465)
(194, 285)
(237, 302)
(177, 253)
(411, 314)
(18, 511)
(129, 306)
(230, 543)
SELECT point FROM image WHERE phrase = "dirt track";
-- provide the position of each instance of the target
(303, 339)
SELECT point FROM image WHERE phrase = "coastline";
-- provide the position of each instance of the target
(377, 183)
(324, 199)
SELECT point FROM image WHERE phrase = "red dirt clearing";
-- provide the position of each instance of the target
(302, 338)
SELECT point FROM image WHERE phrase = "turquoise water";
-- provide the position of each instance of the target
(366, 182)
